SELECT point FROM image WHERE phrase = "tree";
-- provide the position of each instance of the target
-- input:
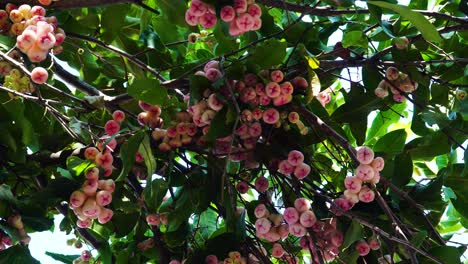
(199, 131)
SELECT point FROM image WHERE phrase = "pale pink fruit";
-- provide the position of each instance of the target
(264, 99)
(261, 184)
(90, 153)
(307, 219)
(245, 22)
(26, 40)
(254, 10)
(38, 11)
(108, 185)
(324, 98)
(399, 98)
(103, 198)
(381, 92)
(378, 164)
(242, 187)
(287, 88)
(105, 160)
(211, 259)
(282, 99)
(214, 103)
(105, 215)
(39, 75)
(374, 243)
(272, 235)
(362, 248)
(376, 178)
(272, 89)
(83, 223)
(276, 219)
(45, 41)
(112, 127)
(77, 199)
(297, 230)
(365, 155)
(271, 116)
(277, 251)
(208, 20)
(293, 117)
(260, 89)
(336, 238)
(353, 184)
(90, 187)
(295, 157)
(366, 195)
(301, 171)
(291, 215)
(301, 205)
(227, 13)
(92, 173)
(283, 231)
(365, 172)
(90, 207)
(392, 73)
(349, 195)
(198, 8)
(262, 225)
(344, 204)
(261, 211)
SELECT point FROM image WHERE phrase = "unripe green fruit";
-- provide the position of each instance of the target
(461, 94)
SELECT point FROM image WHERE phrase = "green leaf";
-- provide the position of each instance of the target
(355, 39)
(391, 143)
(220, 126)
(77, 165)
(270, 53)
(128, 152)
(198, 84)
(154, 193)
(445, 253)
(6, 195)
(147, 154)
(314, 85)
(419, 238)
(354, 233)
(403, 170)
(149, 91)
(124, 223)
(17, 255)
(68, 259)
(428, 31)
(112, 20)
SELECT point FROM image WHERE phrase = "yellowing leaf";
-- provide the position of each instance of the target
(314, 86)
(313, 62)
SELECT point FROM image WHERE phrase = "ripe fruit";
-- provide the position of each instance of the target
(118, 116)
(365, 155)
(261, 184)
(362, 248)
(39, 75)
(295, 157)
(112, 127)
(291, 215)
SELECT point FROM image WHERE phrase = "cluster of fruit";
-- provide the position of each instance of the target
(234, 257)
(242, 16)
(84, 258)
(294, 164)
(363, 247)
(89, 202)
(15, 80)
(367, 172)
(398, 83)
(36, 33)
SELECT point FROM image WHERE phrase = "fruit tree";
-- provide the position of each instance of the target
(235, 131)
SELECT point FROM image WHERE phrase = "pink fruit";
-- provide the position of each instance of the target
(381, 92)
(362, 248)
(272, 235)
(276, 76)
(297, 230)
(374, 243)
(153, 219)
(86, 255)
(213, 64)
(250, 79)
(118, 116)
(392, 73)
(399, 98)
(104, 159)
(103, 198)
(307, 219)
(324, 98)
(300, 82)
(365, 155)
(198, 8)
(344, 204)
(261, 184)
(112, 127)
(353, 184)
(90, 153)
(105, 215)
(213, 101)
(83, 223)
(276, 219)
(90, 187)
(277, 250)
(261, 211)
(39, 75)
(352, 197)
(295, 157)
(378, 164)
(255, 11)
(264, 100)
(365, 172)
(211, 259)
(301, 205)
(262, 225)
(282, 99)
(302, 171)
(227, 13)
(283, 231)
(285, 167)
(240, 6)
(271, 116)
(190, 18)
(336, 238)
(90, 208)
(92, 174)
(242, 187)
(208, 20)
(366, 195)
(272, 89)
(244, 22)
(287, 88)
(108, 185)
(291, 215)
(77, 198)
(255, 129)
